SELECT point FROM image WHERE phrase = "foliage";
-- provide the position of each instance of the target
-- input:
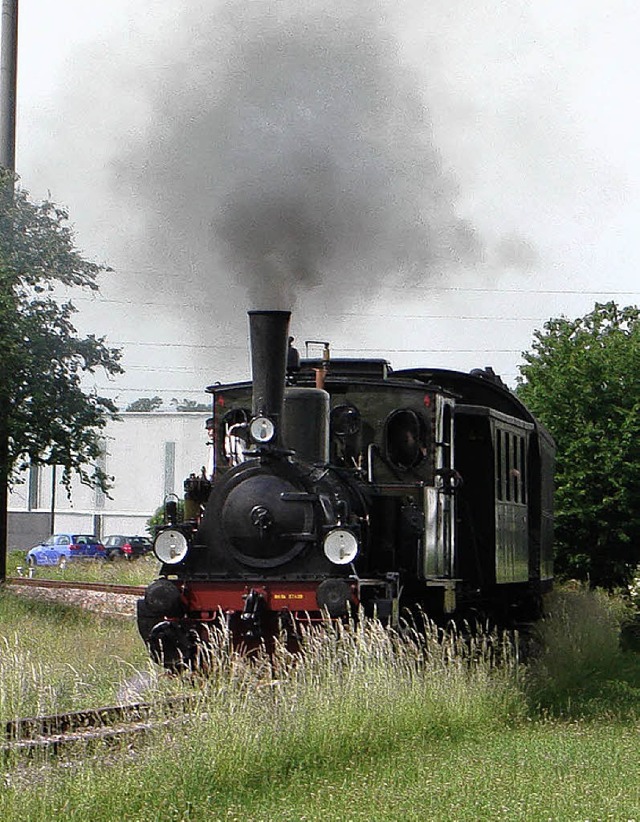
(46, 415)
(579, 669)
(145, 404)
(634, 588)
(582, 379)
(189, 405)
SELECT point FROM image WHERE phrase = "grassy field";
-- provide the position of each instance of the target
(55, 658)
(137, 572)
(367, 727)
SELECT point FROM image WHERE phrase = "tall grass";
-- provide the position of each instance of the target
(580, 669)
(374, 724)
(354, 691)
(356, 694)
(58, 658)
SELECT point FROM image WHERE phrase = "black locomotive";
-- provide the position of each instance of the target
(340, 486)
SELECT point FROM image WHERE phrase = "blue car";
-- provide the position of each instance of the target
(60, 548)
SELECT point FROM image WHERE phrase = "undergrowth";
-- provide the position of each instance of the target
(580, 669)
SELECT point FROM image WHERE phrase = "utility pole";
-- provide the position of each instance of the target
(8, 83)
(8, 92)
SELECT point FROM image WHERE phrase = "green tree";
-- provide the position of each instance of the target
(145, 404)
(189, 405)
(45, 415)
(582, 379)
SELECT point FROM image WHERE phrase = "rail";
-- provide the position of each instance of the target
(55, 732)
(101, 587)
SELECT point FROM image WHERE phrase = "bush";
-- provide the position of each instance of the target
(579, 653)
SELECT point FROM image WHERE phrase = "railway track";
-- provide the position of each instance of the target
(103, 598)
(55, 733)
(114, 724)
(100, 587)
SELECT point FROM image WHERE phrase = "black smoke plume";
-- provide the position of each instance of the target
(289, 145)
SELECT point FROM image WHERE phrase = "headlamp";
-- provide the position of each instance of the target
(262, 430)
(340, 546)
(170, 546)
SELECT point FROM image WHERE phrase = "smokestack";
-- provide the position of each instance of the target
(269, 333)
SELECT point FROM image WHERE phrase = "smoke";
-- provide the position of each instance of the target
(395, 159)
(287, 147)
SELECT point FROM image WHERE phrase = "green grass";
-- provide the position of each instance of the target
(580, 670)
(525, 772)
(140, 571)
(369, 726)
(56, 658)
(559, 771)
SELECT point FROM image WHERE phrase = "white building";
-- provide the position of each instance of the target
(148, 454)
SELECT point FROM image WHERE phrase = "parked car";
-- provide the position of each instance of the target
(60, 548)
(120, 547)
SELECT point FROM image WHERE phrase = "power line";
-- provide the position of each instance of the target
(382, 352)
(431, 350)
(488, 290)
(232, 347)
(151, 389)
(405, 288)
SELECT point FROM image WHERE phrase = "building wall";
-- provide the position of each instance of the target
(27, 528)
(148, 454)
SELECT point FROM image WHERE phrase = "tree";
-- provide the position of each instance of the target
(582, 379)
(189, 405)
(45, 415)
(145, 404)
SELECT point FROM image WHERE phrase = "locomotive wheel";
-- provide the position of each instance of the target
(170, 647)
(334, 595)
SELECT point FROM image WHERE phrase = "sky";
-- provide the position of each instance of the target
(427, 182)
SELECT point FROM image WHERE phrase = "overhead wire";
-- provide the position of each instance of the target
(372, 315)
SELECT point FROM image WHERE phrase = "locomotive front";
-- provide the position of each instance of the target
(278, 537)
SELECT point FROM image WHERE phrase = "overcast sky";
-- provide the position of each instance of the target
(424, 181)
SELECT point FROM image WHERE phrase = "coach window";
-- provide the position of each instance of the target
(518, 469)
(515, 468)
(510, 467)
(507, 465)
(499, 471)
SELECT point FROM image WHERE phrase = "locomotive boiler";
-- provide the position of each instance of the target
(341, 487)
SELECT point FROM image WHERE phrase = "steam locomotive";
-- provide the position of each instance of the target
(340, 486)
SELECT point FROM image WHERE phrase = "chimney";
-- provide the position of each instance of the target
(269, 334)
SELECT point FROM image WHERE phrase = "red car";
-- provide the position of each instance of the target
(121, 547)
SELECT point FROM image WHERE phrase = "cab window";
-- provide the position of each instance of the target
(405, 438)
(235, 435)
